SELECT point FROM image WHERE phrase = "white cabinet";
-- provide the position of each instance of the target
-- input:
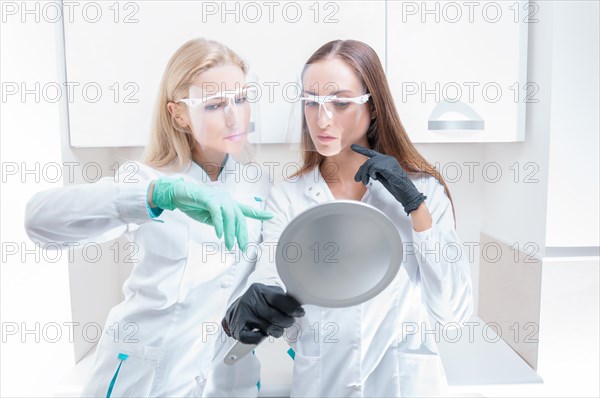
(116, 53)
(473, 54)
(458, 70)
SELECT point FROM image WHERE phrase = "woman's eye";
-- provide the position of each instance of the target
(341, 104)
(311, 103)
(241, 100)
(214, 106)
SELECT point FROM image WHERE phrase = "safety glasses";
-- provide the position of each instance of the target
(223, 98)
(337, 103)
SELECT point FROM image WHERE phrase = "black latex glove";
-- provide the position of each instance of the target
(388, 171)
(261, 311)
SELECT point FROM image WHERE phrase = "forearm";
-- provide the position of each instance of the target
(151, 193)
(74, 213)
(90, 212)
(421, 218)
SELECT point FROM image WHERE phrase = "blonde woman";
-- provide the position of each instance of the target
(355, 147)
(185, 208)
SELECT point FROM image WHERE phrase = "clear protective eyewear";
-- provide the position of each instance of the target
(226, 100)
(339, 103)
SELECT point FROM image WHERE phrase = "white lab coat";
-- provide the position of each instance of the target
(179, 289)
(381, 347)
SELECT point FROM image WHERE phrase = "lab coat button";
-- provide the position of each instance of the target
(224, 284)
(355, 346)
(200, 379)
(356, 386)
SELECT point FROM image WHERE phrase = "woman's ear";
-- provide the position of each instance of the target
(373, 112)
(176, 114)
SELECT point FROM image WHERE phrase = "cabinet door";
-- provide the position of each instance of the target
(116, 53)
(458, 69)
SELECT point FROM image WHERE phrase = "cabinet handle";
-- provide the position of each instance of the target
(474, 121)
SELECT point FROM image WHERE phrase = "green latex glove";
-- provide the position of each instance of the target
(209, 205)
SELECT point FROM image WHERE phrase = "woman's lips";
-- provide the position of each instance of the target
(325, 138)
(235, 137)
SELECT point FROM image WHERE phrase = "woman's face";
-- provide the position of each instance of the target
(334, 126)
(221, 121)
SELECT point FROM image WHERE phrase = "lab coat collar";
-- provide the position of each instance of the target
(228, 172)
(317, 189)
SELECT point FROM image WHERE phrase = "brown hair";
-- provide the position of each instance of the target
(168, 140)
(385, 133)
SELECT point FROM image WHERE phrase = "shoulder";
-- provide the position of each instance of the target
(172, 169)
(133, 171)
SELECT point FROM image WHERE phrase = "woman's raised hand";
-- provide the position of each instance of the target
(208, 205)
(388, 171)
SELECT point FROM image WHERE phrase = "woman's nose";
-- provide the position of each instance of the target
(324, 118)
(231, 116)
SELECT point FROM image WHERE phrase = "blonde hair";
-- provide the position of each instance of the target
(169, 141)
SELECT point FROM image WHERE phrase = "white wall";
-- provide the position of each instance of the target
(573, 164)
(35, 302)
(569, 330)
